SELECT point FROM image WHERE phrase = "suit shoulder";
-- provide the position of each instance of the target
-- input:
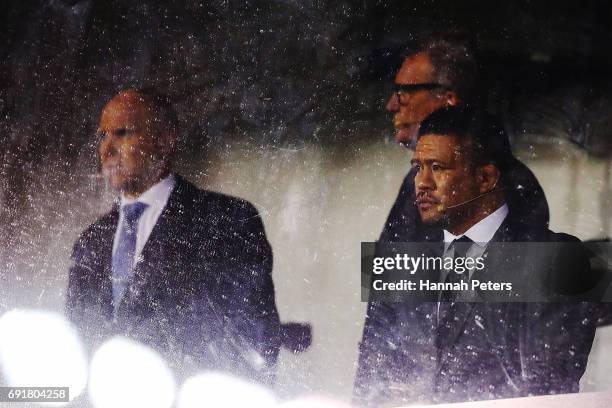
(235, 219)
(93, 233)
(537, 233)
(408, 182)
(101, 225)
(239, 208)
(562, 237)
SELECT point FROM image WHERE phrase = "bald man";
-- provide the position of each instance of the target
(182, 270)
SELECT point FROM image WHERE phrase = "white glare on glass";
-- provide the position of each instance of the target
(313, 402)
(127, 374)
(41, 349)
(219, 390)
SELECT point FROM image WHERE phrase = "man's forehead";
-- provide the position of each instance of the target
(438, 146)
(124, 111)
(416, 69)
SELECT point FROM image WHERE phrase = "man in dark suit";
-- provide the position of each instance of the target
(183, 270)
(447, 350)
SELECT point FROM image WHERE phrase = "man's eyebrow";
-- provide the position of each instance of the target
(118, 131)
(428, 161)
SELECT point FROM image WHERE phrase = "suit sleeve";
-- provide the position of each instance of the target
(556, 346)
(251, 321)
(260, 301)
(558, 338)
(376, 354)
(73, 306)
(78, 307)
(403, 220)
(394, 365)
(82, 308)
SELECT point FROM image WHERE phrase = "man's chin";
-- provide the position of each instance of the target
(120, 184)
(113, 177)
(407, 136)
(431, 217)
(114, 183)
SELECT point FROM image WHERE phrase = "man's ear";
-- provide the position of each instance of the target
(488, 177)
(167, 140)
(172, 136)
(451, 98)
(165, 146)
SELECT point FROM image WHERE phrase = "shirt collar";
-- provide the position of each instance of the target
(482, 232)
(156, 195)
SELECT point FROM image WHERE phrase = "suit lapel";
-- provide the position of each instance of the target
(504, 233)
(104, 254)
(465, 312)
(162, 253)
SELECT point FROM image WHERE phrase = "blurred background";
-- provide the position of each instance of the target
(282, 102)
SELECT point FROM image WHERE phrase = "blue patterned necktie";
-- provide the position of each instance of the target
(123, 258)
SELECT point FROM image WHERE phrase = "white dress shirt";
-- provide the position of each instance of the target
(156, 199)
(481, 233)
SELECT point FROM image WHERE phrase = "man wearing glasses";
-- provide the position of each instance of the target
(440, 75)
(182, 270)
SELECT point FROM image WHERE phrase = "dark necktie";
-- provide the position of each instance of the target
(460, 247)
(449, 310)
(123, 258)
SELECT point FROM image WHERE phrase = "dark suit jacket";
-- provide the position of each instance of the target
(202, 293)
(494, 350)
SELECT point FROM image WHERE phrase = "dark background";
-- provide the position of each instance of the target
(279, 67)
(281, 73)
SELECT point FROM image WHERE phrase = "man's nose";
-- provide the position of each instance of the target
(424, 180)
(393, 103)
(107, 148)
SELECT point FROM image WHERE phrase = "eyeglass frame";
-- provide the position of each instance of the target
(410, 88)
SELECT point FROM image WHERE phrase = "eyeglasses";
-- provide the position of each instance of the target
(401, 89)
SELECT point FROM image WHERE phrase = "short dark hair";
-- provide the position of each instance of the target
(454, 63)
(481, 132)
(164, 110)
